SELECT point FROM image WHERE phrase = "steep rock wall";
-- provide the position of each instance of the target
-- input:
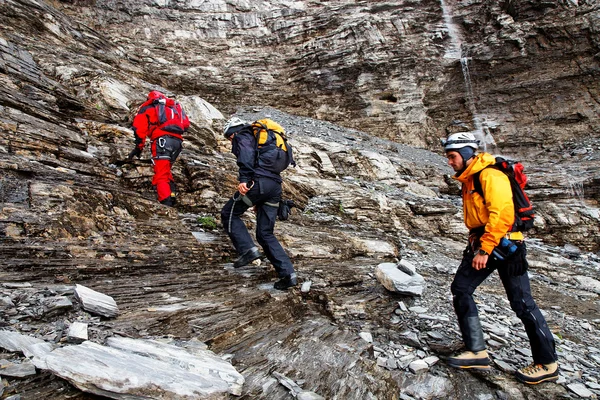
(382, 67)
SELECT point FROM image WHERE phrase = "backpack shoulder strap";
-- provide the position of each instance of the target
(477, 180)
(477, 183)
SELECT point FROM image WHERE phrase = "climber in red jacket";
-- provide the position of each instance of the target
(163, 121)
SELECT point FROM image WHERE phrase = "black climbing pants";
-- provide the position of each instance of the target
(518, 292)
(265, 195)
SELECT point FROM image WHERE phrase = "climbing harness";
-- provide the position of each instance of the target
(235, 200)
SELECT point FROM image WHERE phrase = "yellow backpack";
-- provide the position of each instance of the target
(272, 142)
(261, 130)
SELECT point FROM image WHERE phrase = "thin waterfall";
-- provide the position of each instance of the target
(455, 51)
(464, 62)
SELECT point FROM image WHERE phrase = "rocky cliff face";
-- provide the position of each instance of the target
(390, 68)
(523, 75)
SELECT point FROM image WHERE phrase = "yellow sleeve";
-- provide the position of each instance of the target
(499, 203)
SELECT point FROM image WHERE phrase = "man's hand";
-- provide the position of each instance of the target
(137, 152)
(479, 261)
(243, 188)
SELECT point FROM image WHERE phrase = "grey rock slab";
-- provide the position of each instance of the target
(412, 338)
(407, 267)
(418, 366)
(394, 280)
(204, 237)
(498, 338)
(196, 359)
(16, 285)
(593, 385)
(431, 360)
(36, 352)
(307, 395)
(295, 390)
(435, 335)
(392, 363)
(494, 343)
(21, 370)
(524, 351)
(306, 287)
(366, 336)
(166, 372)
(56, 303)
(588, 283)
(13, 341)
(78, 332)
(427, 386)
(580, 390)
(504, 366)
(96, 302)
(6, 302)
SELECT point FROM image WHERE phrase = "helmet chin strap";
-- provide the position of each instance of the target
(465, 165)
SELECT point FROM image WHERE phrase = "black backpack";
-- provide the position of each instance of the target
(524, 214)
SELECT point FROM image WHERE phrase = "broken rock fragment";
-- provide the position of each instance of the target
(78, 332)
(96, 302)
(21, 370)
(396, 280)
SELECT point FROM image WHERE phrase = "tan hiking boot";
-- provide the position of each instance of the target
(538, 373)
(470, 359)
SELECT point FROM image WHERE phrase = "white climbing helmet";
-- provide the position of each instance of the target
(234, 122)
(459, 140)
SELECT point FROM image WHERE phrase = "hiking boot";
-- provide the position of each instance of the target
(169, 201)
(286, 282)
(538, 373)
(470, 359)
(247, 257)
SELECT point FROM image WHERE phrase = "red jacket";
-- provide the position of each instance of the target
(157, 118)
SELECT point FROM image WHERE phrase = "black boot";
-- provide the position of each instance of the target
(247, 257)
(286, 282)
(470, 359)
(475, 356)
(169, 201)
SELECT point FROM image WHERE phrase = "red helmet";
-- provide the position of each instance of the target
(155, 95)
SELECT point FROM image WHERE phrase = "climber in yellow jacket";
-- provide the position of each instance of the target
(490, 218)
(496, 210)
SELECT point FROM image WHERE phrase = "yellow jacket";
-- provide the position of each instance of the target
(496, 212)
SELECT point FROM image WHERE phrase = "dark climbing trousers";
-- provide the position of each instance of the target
(518, 292)
(265, 195)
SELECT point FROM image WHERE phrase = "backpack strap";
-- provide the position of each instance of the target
(477, 184)
(267, 130)
(477, 180)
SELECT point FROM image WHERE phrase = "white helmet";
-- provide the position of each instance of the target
(233, 123)
(459, 140)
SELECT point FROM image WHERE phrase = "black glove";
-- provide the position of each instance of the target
(285, 209)
(137, 152)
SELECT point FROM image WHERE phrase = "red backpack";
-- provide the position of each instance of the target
(524, 213)
(171, 117)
